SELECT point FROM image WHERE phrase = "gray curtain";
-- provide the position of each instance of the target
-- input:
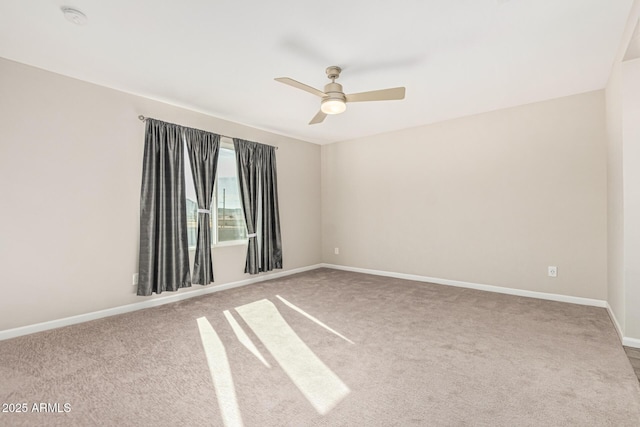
(259, 194)
(271, 242)
(164, 252)
(203, 150)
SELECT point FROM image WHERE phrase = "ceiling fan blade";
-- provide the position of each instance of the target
(297, 84)
(377, 95)
(318, 118)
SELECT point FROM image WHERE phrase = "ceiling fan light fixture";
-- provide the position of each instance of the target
(333, 106)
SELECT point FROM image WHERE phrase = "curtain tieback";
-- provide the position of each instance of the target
(251, 235)
(204, 211)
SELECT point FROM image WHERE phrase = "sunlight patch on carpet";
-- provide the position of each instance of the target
(310, 317)
(244, 338)
(220, 373)
(319, 384)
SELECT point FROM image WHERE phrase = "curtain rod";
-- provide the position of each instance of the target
(143, 118)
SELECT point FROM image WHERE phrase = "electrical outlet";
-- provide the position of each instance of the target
(336, 251)
(553, 271)
(135, 279)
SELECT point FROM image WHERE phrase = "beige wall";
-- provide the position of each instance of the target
(623, 187)
(631, 185)
(615, 198)
(490, 199)
(70, 170)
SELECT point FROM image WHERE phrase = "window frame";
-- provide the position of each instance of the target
(225, 143)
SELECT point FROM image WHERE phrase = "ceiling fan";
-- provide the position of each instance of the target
(334, 101)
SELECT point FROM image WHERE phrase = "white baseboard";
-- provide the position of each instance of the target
(631, 342)
(626, 341)
(58, 323)
(615, 322)
(477, 286)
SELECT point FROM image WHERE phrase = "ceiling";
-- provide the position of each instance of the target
(455, 57)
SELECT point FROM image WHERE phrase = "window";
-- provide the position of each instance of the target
(227, 219)
(192, 219)
(231, 225)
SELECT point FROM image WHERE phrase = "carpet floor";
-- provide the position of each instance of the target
(327, 348)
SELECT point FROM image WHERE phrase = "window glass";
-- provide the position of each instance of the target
(192, 222)
(231, 224)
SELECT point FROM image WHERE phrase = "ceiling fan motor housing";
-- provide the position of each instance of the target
(333, 90)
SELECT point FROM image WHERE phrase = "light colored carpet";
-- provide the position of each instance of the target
(421, 354)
